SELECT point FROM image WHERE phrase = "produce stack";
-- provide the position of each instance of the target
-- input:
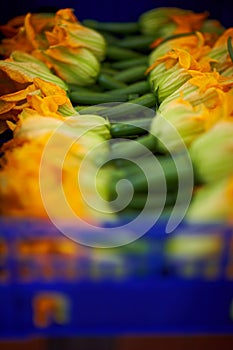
(121, 95)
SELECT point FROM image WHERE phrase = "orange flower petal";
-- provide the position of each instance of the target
(12, 69)
(6, 106)
(18, 95)
(189, 22)
(11, 125)
(222, 40)
(46, 106)
(48, 88)
(66, 14)
(21, 106)
(30, 31)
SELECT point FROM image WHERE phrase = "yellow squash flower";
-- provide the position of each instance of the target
(193, 109)
(172, 61)
(194, 43)
(223, 62)
(202, 87)
(172, 70)
(42, 30)
(70, 49)
(165, 21)
(22, 68)
(165, 82)
(188, 22)
(40, 96)
(68, 32)
(73, 65)
(19, 182)
(213, 203)
(188, 120)
(212, 152)
(22, 32)
(20, 190)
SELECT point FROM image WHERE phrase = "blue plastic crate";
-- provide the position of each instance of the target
(143, 287)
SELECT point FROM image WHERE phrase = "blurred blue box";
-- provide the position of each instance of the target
(161, 283)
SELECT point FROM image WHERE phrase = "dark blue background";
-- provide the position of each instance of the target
(116, 10)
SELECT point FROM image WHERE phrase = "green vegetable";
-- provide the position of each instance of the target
(129, 63)
(114, 27)
(110, 37)
(126, 149)
(140, 178)
(134, 128)
(89, 98)
(92, 88)
(132, 74)
(108, 82)
(140, 87)
(116, 53)
(136, 42)
(126, 109)
(107, 69)
(90, 109)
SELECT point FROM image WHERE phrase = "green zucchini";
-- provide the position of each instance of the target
(126, 149)
(132, 74)
(128, 63)
(141, 87)
(132, 128)
(89, 98)
(116, 53)
(114, 27)
(131, 108)
(136, 42)
(108, 70)
(108, 82)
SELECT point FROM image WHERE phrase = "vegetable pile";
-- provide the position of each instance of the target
(103, 88)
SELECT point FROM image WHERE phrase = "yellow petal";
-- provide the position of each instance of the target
(18, 71)
(18, 95)
(58, 35)
(6, 106)
(46, 106)
(30, 31)
(21, 106)
(11, 125)
(222, 40)
(48, 88)
(66, 14)
(189, 22)
(210, 79)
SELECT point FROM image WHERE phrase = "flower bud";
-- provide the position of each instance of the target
(213, 203)
(212, 153)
